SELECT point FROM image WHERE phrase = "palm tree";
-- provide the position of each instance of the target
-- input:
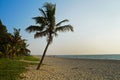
(15, 42)
(18, 45)
(47, 26)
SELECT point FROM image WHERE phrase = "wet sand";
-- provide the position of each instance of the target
(74, 69)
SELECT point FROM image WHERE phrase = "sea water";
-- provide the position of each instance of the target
(106, 57)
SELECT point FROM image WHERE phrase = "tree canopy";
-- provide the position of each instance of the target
(11, 44)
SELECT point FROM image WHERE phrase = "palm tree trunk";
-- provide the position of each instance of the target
(38, 67)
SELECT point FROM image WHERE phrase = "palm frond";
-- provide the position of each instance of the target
(48, 6)
(40, 20)
(43, 12)
(58, 24)
(53, 9)
(40, 34)
(50, 10)
(10, 37)
(64, 28)
(55, 34)
(34, 28)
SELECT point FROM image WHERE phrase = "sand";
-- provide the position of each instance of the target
(74, 69)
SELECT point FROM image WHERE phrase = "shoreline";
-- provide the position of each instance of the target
(55, 68)
(93, 57)
(52, 56)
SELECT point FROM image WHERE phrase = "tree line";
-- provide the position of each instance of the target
(11, 44)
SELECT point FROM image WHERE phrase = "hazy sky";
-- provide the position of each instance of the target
(96, 25)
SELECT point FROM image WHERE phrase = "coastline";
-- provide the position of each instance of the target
(56, 68)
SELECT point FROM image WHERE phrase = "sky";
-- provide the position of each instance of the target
(96, 25)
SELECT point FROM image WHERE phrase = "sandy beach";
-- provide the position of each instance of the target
(74, 69)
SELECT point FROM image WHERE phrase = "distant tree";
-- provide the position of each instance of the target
(11, 44)
(19, 46)
(47, 26)
(3, 38)
(23, 49)
(2, 28)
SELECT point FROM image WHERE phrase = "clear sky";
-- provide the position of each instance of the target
(96, 25)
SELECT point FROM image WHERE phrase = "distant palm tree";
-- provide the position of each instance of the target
(47, 26)
(16, 44)
(15, 40)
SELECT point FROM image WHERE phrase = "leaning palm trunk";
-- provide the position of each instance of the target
(39, 65)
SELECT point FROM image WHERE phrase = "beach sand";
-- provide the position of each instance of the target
(74, 69)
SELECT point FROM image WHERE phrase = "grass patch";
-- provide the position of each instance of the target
(30, 58)
(10, 69)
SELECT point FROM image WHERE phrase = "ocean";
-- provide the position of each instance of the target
(106, 57)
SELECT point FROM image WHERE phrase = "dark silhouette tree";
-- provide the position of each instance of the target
(15, 41)
(19, 46)
(24, 50)
(11, 44)
(47, 26)
(3, 38)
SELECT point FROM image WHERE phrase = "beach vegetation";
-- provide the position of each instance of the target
(29, 58)
(11, 44)
(11, 69)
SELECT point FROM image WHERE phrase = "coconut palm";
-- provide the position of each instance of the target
(18, 45)
(47, 26)
(14, 41)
